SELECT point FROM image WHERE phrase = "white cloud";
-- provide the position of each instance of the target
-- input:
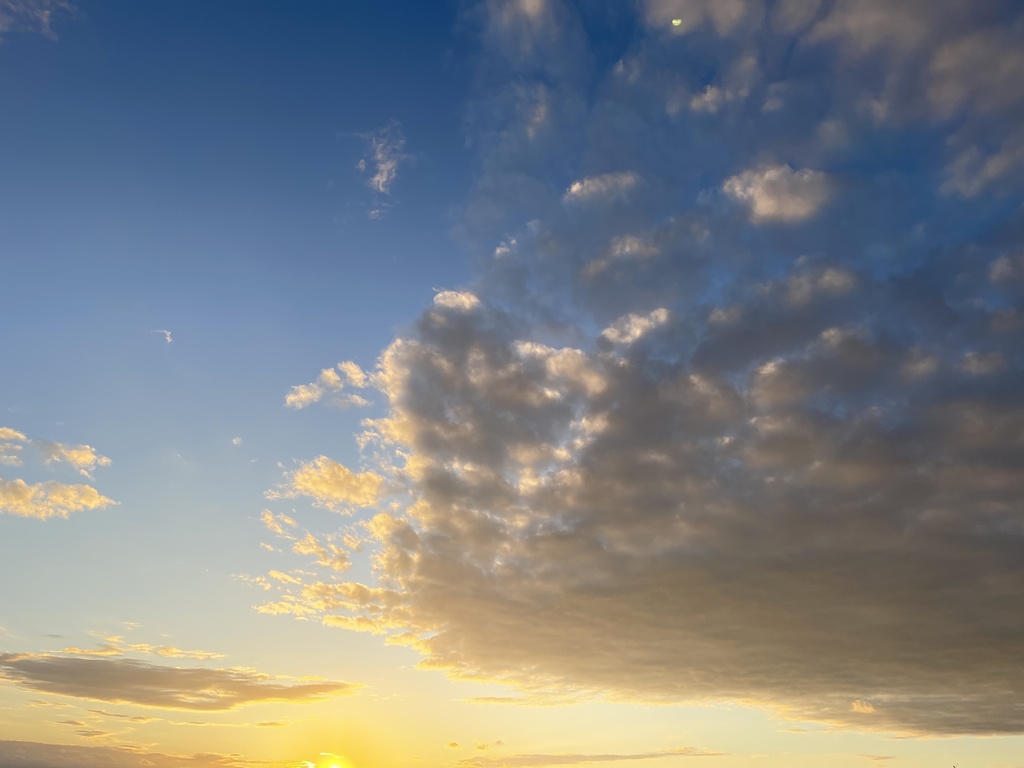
(778, 193)
(383, 159)
(129, 681)
(332, 484)
(329, 384)
(607, 186)
(82, 457)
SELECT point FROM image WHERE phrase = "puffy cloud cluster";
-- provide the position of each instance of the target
(49, 498)
(669, 449)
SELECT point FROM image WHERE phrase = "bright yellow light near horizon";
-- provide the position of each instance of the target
(676, 22)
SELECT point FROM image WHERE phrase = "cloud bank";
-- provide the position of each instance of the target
(735, 412)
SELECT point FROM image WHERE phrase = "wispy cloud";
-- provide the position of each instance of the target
(166, 334)
(129, 681)
(328, 387)
(82, 457)
(539, 761)
(384, 156)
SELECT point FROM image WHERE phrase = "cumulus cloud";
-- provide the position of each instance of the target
(607, 186)
(778, 193)
(27, 754)
(82, 457)
(328, 386)
(775, 465)
(48, 499)
(128, 681)
(384, 156)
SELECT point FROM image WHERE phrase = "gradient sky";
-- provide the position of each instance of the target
(512, 383)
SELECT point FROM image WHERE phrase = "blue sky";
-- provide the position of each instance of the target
(511, 383)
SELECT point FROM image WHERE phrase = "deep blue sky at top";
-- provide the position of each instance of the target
(191, 166)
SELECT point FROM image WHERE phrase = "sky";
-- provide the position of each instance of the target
(512, 383)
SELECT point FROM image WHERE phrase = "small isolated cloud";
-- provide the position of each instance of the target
(603, 188)
(82, 457)
(48, 499)
(778, 193)
(166, 333)
(128, 681)
(383, 158)
(236, 441)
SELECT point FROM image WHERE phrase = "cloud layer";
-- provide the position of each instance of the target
(129, 681)
(736, 410)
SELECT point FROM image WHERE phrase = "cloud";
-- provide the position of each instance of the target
(82, 457)
(329, 384)
(778, 193)
(683, 16)
(166, 333)
(32, 16)
(538, 761)
(607, 186)
(331, 484)
(384, 156)
(27, 754)
(772, 465)
(48, 499)
(128, 681)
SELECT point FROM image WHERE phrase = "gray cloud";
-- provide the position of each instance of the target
(538, 761)
(27, 754)
(671, 448)
(128, 681)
